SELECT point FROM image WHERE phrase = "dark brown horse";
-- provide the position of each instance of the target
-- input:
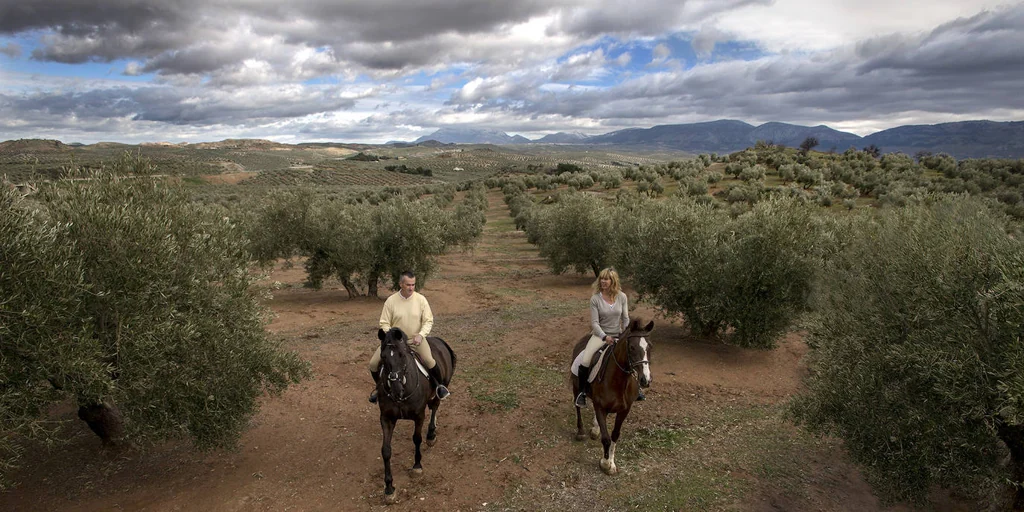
(624, 371)
(404, 393)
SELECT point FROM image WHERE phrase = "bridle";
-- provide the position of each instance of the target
(394, 376)
(631, 368)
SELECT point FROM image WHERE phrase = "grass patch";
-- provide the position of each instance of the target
(497, 386)
(644, 441)
(698, 488)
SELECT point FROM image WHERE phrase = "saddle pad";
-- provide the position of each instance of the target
(419, 365)
(598, 360)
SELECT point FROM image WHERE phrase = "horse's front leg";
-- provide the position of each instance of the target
(417, 438)
(432, 428)
(620, 417)
(607, 465)
(387, 425)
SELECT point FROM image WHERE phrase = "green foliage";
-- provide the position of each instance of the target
(917, 363)
(366, 241)
(750, 275)
(159, 316)
(575, 233)
(43, 286)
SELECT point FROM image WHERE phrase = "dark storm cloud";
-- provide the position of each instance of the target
(176, 106)
(190, 36)
(75, 17)
(989, 42)
(648, 17)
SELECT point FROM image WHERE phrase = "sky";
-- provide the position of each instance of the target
(374, 71)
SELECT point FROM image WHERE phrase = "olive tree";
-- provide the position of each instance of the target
(574, 232)
(43, 356)
(162, 331)
(917, 360)
(749, 275)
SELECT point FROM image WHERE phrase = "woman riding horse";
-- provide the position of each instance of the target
(625, 368)
(609, 314)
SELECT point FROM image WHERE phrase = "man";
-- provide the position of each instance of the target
(410, 312)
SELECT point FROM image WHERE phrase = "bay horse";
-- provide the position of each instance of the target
(623, 372)
(404, 393)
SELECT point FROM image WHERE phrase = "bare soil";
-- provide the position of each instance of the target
(710, 436)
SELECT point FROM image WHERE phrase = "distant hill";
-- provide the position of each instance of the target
(239, 144)
(969, 139)
(563, 138)
(966, 139)
(11, 147)
(471, 136)
(717, 136)
(793, 135)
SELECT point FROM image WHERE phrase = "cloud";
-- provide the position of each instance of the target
(968, 66)
(11, 50)
(177, 106)
(364, 70)
(660, 54)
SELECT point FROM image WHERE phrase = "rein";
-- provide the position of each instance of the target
(394, 376)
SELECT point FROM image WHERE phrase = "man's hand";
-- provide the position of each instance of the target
(609, 340)
(416, 340)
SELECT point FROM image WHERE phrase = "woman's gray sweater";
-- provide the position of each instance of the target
(608, 319)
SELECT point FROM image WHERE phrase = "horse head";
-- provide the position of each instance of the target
(639, 351)
(396, 361)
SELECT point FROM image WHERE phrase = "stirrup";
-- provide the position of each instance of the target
(442, 392)
(373, 397)
(581, 400)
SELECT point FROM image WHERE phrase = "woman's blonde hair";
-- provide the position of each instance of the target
(608, 273)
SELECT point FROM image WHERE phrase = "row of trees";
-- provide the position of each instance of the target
(363, 243)
(748, 276)
(915, 315)
(125, 298)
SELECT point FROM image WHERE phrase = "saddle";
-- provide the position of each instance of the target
(597, 362)
(419, 364)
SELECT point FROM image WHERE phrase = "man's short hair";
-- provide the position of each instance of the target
(407, 273)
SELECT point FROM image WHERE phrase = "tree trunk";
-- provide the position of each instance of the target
(371, 285)
(1013, 436)
(597, 270)
(105, 420)
(350, 287)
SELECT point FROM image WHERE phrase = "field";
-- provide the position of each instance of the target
(711, 436)
(270, 163)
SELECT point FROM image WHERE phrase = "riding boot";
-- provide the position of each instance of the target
(435, 379)
(584, 380)
(376, 381)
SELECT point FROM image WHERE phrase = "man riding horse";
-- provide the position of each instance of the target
(409, 311)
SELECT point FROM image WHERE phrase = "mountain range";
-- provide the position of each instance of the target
(966, 139)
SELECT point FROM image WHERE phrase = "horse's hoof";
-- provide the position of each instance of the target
(608, 468)
(594, 434)
(416, 472)
(580, 436)
(431, 442)
(391, 499)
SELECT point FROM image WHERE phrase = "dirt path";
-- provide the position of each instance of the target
(505, 439)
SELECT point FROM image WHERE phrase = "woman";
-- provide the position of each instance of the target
(609, 315)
